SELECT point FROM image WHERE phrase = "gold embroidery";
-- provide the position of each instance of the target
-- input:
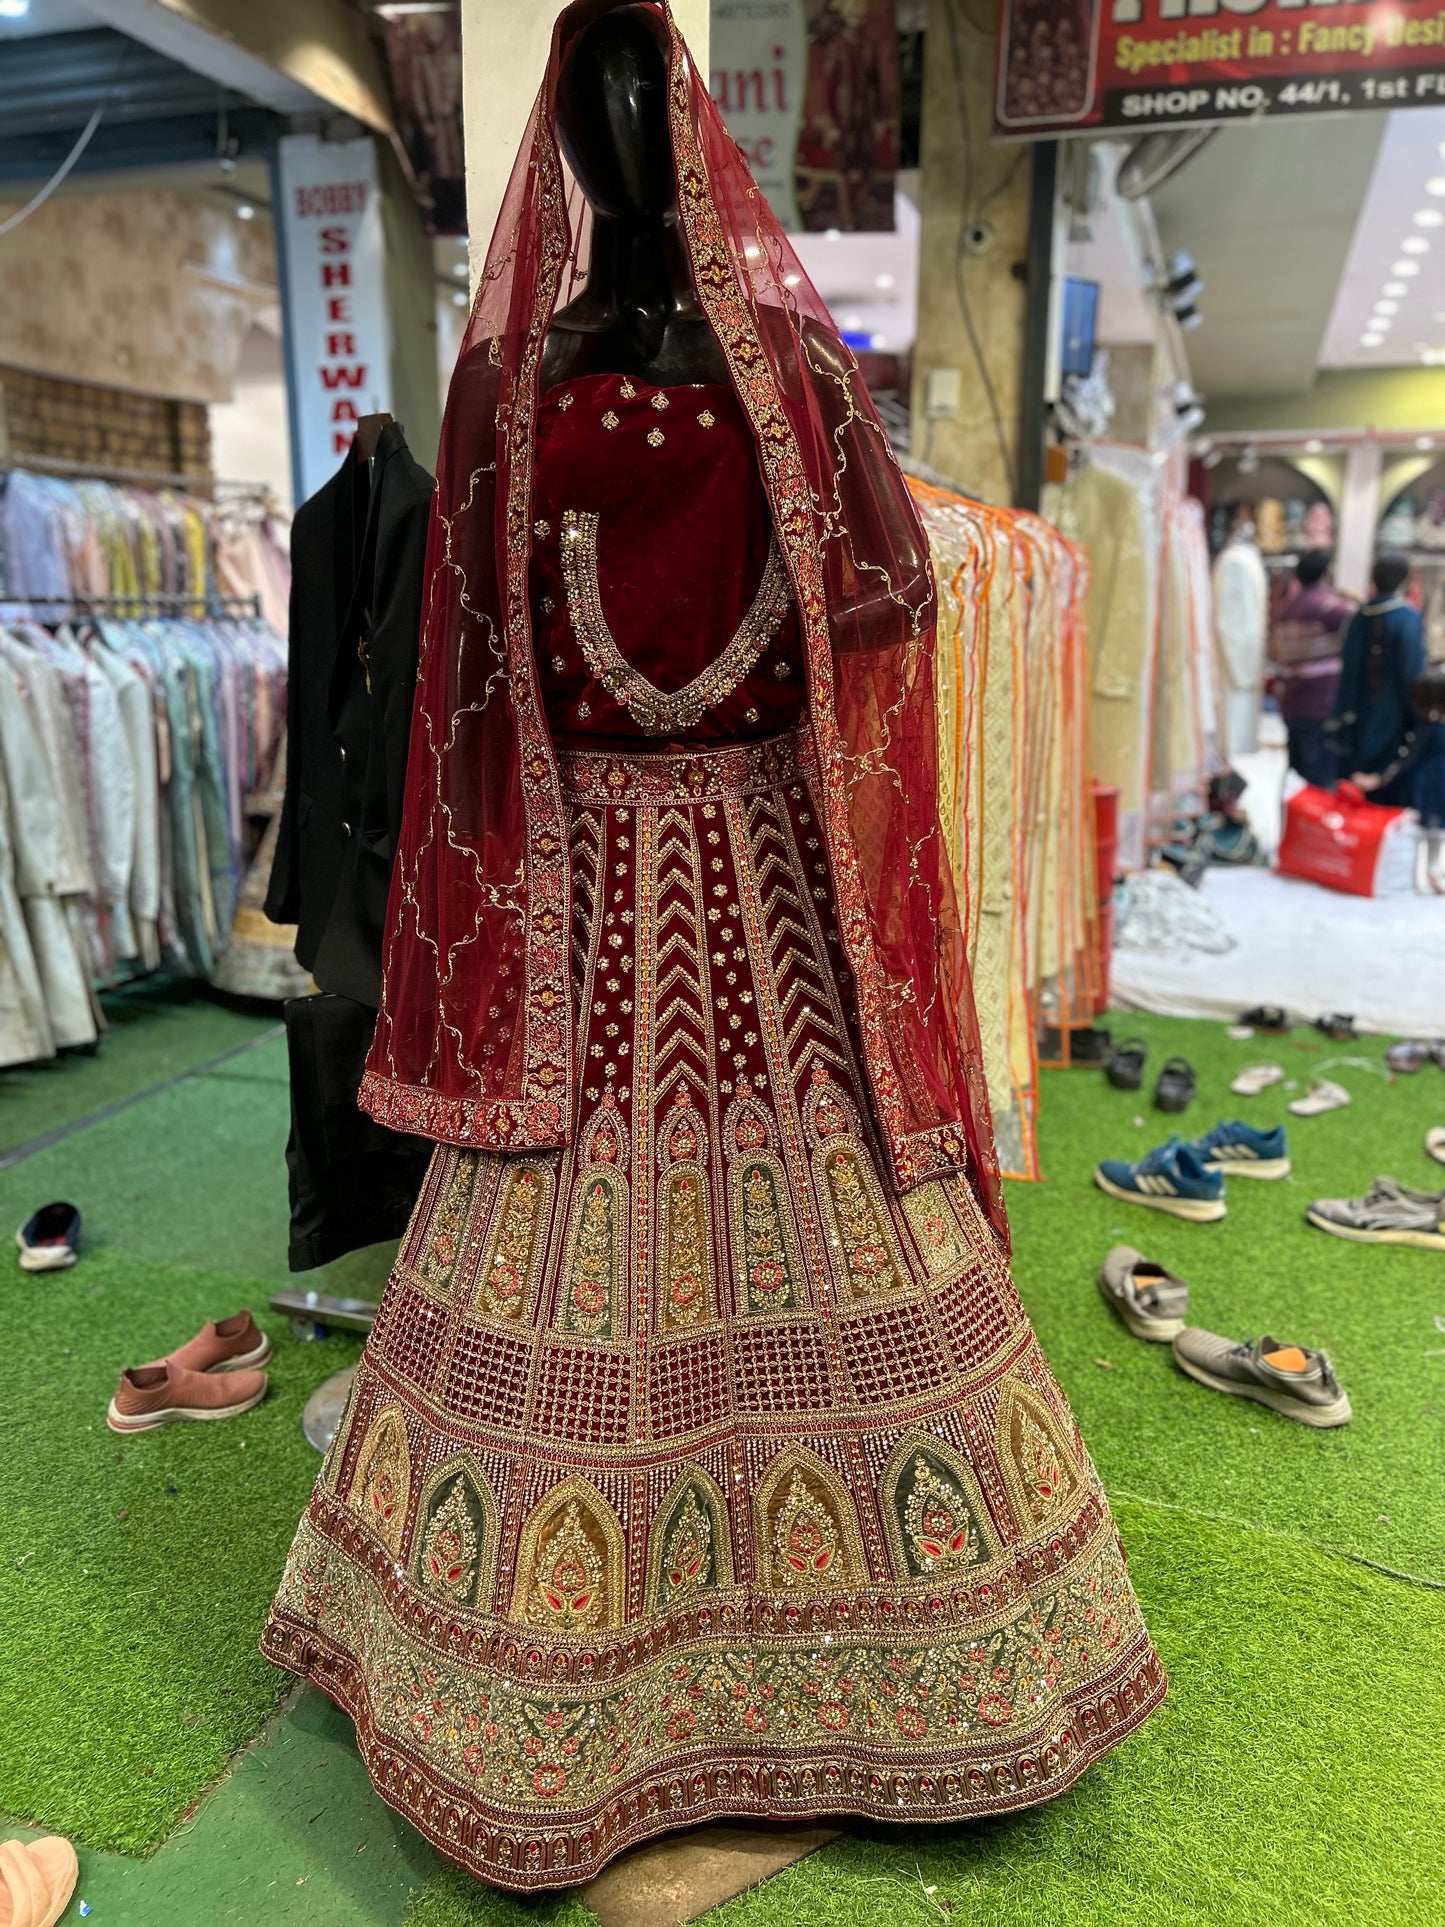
(448, 1562)
(505, 1284)
(870, 1269)
(383, 1478)
(933, 1510)
(687, 1291)
(767, 1268)
(448, 1223)
(655, 438)
(660, 401)
(1041, 1479)
(564, 402)
(807, 1530)
(609, 420)
(687, 1556)
(657, 712)
(541, 529)
(940, 1532)
(707, 418)
(569, 1592)
(588, 1307)
(935, 1226)
(627, 391)
(782, 670)
(571, 1562)
(805, 1539)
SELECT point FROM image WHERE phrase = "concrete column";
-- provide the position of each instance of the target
(504, 50)
(969, 364)
(1359, 517)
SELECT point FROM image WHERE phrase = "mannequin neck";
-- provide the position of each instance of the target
(639, 266)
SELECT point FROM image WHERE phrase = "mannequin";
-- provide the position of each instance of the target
(1241, 621)
(638, 314)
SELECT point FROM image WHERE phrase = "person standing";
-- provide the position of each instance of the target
(1384, 654)
(1305, 664)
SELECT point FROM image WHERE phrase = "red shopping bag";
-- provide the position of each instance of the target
(1344, 842)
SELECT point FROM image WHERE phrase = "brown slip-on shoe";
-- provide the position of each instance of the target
(234, 1344)
(164, 1394)
(36, 1881)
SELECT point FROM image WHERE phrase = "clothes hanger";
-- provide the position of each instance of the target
(368, 434)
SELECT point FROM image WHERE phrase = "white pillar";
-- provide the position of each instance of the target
(504, 50)
(1359, 518)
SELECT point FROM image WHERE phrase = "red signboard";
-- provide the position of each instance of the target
(1068, 66)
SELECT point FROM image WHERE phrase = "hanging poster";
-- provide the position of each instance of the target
(334, 301)
(1065, 66)
(424, 52)
(809, 90)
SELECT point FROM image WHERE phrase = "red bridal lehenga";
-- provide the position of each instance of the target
(702, 1460)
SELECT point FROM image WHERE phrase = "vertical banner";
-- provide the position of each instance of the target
(809, 90)
(338, 361)
(424, 52)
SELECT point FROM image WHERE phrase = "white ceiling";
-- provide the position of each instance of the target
(1397, 255)
(48, 16)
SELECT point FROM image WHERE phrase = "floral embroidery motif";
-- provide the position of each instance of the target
(686, 1290)
(782, 670)
(588, 1306)
(626, 390)
(806, 1544)
(564, 402)
(687, 1553)
(448, 1563)
(504, 1285)
(383, 1478)
(541, 529)
(707, 418)
(1037, 1470)
(767, 1267)
(870, 1267)
(657, 712)
(655, 438)
(751, 714)
(940, 1532)
(935, 1225)
(609, 420)
(568, 1593)
(660, 401)
(448, 1225)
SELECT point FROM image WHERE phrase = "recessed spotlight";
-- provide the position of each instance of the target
(1314, 446)
(1424, 443)
(1372, 341)
(1395, 289)
(1429, 217)
(1406, 267)
(245, 212)
(1436, 186)
(459, 269)
(1415, 244)
(884, 281)
(459, 299)
(14, 9)
(1387, 307)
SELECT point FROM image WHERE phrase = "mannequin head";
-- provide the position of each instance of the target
(612, 116)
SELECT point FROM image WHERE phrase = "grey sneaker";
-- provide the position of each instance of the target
(1297, 1383)
(1388, 1214)
(1150, 1300)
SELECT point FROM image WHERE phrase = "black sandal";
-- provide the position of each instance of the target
(1124, 1066)
(1266, 1017)
(1176, 1087)
(1338, 1026)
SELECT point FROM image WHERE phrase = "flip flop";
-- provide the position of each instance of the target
(36, 1881)
(1435, 1144)
(1255, 1078)
(1323, 1095)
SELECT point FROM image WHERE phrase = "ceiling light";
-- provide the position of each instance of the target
(1424, 443)
(245, 212)
(459, 268)
(1372, 341)
(1429, 217)
(1415, 244)
(884, 281)
(852, 322)
(1395, 288)
(1314, 446)
(14, 9)
(1387, 307)
(459, 299)
(1436, 186)
(1406, 267)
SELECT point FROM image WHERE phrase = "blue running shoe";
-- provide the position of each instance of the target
(1170, 1179)
(1239, 1151)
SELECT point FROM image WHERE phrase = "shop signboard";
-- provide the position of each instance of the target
(809, 91)
(337, 343)
(1071, 66)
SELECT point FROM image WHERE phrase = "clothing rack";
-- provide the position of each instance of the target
(137, 608)
(108, 472)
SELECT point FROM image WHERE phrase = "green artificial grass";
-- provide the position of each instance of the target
(156, 1029)
(135, 1572)
(1372, 1488)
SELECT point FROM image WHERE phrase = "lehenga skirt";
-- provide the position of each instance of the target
(691, 1471)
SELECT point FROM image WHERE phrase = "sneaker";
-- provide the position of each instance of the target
(1238, 1150)
(1297, 1383)
(1170, 1179)
(48, 1238)
(1150, 1300)
(166, 1394)
(234, 1344)
(1388, 1214)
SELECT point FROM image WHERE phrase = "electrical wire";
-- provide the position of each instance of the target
(42, 195)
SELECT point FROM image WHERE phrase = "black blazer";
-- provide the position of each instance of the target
(358, 549)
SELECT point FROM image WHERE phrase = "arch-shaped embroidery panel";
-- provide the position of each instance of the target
(381, 1485)
(445, 1234)
(594, 1264)
(806, 1535)
(934, 1514)
(1039, 1470)
(936, 1228)
(689, 1549)
(571, 1562)
(518, 1240)
(862, 1243)
(458, 1527)
(685, 1294)
(767, 1264)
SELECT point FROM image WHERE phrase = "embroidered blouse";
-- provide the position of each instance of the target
(660, 604)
